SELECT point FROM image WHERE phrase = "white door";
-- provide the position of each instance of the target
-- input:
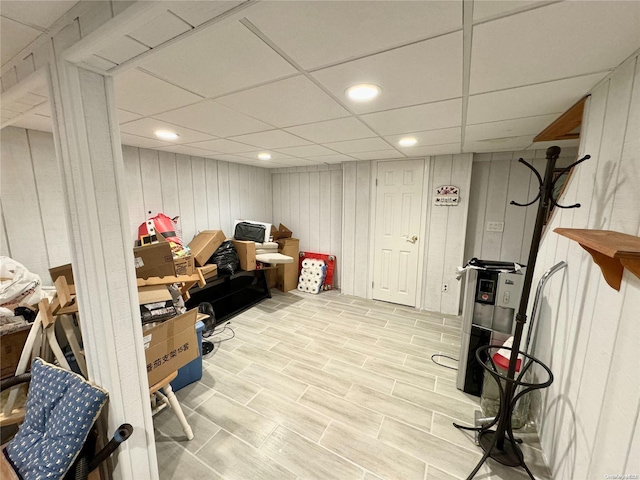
(397, 231)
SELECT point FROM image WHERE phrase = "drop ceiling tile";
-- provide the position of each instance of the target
(220, 59)
(556, 41)
(540, 99)
(337, 158)
(98, 62)
(420, 73)
(34, 121)
(145, 94)
(431, 137)
(508, 128)
(275, 156)
(363, 145)
(122, 49)
(125, 116)
(224, 146)
(484, 10)
(215, 119)
(186, 150)
(296, 162)
(143, 142)
(286, 103)
(306, 151)
(333, 130)
(160, 29)
(315, 33)
(196, 13)
(444, 149)
(271, 139)
(498, 144)
(41, 14)
(245, 161)
(378, 155)
(418, 118)
(146, 127)
(564, 144)
(14, 37)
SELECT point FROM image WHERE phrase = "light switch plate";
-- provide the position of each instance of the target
(495, 226)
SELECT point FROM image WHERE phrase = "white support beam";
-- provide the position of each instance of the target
(89, 153)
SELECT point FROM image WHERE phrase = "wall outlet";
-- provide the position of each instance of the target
(495, 226)
(445, 287)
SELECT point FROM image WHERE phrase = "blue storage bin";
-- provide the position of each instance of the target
(192, 371)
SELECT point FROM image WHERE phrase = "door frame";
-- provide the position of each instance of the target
(425, 213)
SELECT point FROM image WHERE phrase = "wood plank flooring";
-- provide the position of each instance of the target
(329, 387)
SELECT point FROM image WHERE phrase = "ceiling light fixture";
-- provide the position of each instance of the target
(407, 142)
(264, 156)
(166, 135)
(363, 92)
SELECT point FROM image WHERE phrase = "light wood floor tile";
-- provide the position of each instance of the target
(400, 373)
(306, 459)
(430, 343)
(376, 352)
(434, 473)
(401, 347)
(364, 319)
(292, 415)
(336, 352)
(391, 407)
(452, 339)
(253, 323)
(228, 360)
(337, 408)
(384, 332)
(360, 376)
(238, 461)
(448, 329)
(287, 337)
(273, 380)
(244, 423)
(203, 428)
(224, 342)
(453, 322)
(194, 394)
(318, 378)
(334, 317)
(434, 401)
(413, 330)
(426, 365)
(230, 385)
(351, 333)
(174, 462)
(428, 448)
(443, 428)
(253, 338)
(448, 387)
(307, 320)
(381, 459)
(267, 358)
(322, 336)
(301, 355)
(393, 319)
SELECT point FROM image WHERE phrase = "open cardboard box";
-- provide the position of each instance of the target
(246, 253)
(170, 345)
(205, 244)
(280, 232)
(156, 260)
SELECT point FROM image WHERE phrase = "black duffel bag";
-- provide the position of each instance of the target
(249, 231)
(226, 258)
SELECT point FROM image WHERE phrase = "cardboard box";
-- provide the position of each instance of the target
(156, 303)
(204, 244)
(11, 345)
(246, 253)
(288, 273)
(184, 265)
(62, 271)
(209, 270)
(170, 345)
(280, 232)
(154, 260)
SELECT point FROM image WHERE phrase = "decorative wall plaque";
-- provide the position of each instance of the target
(447, 196)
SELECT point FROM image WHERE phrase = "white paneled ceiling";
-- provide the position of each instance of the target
(235, 79)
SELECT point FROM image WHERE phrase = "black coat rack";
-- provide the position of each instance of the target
(500, 443)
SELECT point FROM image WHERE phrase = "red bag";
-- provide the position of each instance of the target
(163, 225)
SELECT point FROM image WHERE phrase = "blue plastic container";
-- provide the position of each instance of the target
(192, 371)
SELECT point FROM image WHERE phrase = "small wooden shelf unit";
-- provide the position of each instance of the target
(612, 251)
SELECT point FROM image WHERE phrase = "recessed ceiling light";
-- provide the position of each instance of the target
(407, 142)
(264, 156)
(363, 92)
(166, 135)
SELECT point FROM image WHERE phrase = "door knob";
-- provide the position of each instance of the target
(413, 239)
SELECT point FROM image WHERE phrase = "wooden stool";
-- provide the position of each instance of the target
(169, 399)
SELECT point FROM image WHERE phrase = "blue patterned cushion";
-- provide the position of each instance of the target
(61, 408)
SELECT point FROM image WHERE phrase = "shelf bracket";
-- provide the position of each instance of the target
(611, 268)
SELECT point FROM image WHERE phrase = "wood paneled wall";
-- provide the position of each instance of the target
(308, 200)
(445, 231)
(205, 193)
(496, 179)
(588, 332)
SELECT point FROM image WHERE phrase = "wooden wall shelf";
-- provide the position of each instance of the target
(612, 251)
